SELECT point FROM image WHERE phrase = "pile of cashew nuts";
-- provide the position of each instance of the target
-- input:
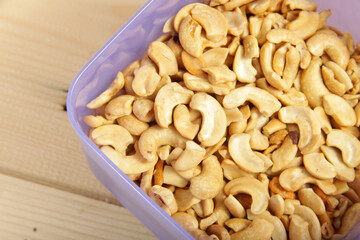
(241, 121)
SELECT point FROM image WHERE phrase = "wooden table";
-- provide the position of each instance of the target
(46, 188)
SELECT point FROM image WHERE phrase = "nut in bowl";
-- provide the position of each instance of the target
(226, 119)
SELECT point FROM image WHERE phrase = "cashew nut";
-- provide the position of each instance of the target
(143, 109)
(279, 232)
(241, 152)
(299, 228)
(242, 66)
(190, 36)
(318, 166)
(185, 199)
(237, 224)
(236, 22)
(232, 171)
(308, 123)
(309, 216)
(305, 5)
(188, 222)
(309, 198)
(190, 157)
(219, 231)
(264, 101)
(213, 124)
(132, 124)
(145, 80)
(166, 100)
(219, 74)
(283, 156)
(209, 182)
(164, 198)
(252, 231)
(212, 20)
(312, 84)
(234, 206)
(96, 121)
(119, 106)
(276, 205)
(154, 137)
(256, 189)
(292, 179)
(119, 138)
(330, 44)
(111, 91)
(348, 145)
(204, 208)
(305, 25)
(339, 109)
(163, 57)
(186, 121)
(171, 177)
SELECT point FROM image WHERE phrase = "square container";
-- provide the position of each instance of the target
(127, 45)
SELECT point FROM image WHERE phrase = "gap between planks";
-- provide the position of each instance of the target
(33, 211)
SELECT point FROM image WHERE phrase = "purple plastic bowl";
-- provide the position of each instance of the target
(127, 45)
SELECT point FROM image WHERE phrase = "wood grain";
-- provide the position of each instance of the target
(34, 211)
(42, 48)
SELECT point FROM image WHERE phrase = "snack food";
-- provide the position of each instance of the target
(293, 84)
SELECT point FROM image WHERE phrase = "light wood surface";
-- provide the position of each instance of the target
(34, 211)
(43, 45)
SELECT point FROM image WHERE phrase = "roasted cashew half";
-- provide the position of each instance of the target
(264, 101)
(330, 44)
(168, 97)
(119, 138)
(155, 136)
(256, 189)
(213, 125)
(308, 123)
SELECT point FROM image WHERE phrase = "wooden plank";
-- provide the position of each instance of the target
(33, 211)
(42, 47)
